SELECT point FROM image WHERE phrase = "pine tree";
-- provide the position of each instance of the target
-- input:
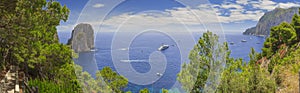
(205, 61)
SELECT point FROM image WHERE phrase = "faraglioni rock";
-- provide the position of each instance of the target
(82, 38)
(270, 19)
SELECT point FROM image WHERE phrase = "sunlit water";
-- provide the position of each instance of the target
(146, 44)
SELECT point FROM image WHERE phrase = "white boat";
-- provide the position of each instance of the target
(158, 74)
(163, 47)
(93, 50)
(244, 40)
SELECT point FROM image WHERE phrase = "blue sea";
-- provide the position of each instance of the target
(138, 61)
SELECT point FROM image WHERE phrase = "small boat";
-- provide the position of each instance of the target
(163, 47)
(93, 50)
(244, 40)
(123, 49)
(158, 74)
(231, 43)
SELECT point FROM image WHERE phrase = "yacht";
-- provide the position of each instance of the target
(158, 74)
(163, 47)
(244, 40)
(93, 50)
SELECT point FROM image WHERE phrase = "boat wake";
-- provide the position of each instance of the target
(123, 49)
(133, 61)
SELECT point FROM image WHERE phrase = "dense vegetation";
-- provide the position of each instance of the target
(273, 70)
(28, 40)
(207, 56)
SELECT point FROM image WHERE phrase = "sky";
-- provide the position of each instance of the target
(169, 15)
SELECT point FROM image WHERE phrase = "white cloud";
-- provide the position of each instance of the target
(265, 4)
(98, 5)
(228, 12)
(288, 5)
(238, 15)
(242, 2)
(179, 16)
(270, 5)
(228, 6)
(65, 27)
(167, 17)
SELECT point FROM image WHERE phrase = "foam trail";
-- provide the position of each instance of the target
(133, 61)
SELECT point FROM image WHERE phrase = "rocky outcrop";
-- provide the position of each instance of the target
(270, 19)
(82, 38)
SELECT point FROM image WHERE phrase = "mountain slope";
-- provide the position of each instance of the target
(270, 19)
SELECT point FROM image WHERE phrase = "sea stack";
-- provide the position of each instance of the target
(82, 38)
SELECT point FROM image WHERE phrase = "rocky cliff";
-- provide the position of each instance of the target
(270, 19)
(82, 38)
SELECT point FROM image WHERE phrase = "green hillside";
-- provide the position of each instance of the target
(274, 70)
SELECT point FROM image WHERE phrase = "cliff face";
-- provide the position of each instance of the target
(270, 19)
(82, 38)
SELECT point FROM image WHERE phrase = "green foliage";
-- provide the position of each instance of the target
(28, 39)
(279, 35)
(28, 32)
(205, 60)
(66, 77)
(282, 36)
(260, 80)
(284, 33)
(275, 60)
(89, 84)
(253, 57)
(232, 71)
(102, 86)
(285, 71)
(281, 60)
(296, 24)
(145, 90)
(292, 59)
(164, 91)
(253, 77)
(106, 81)
(65, 82)
(45, 86)
(111, 78)
(239, 77)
